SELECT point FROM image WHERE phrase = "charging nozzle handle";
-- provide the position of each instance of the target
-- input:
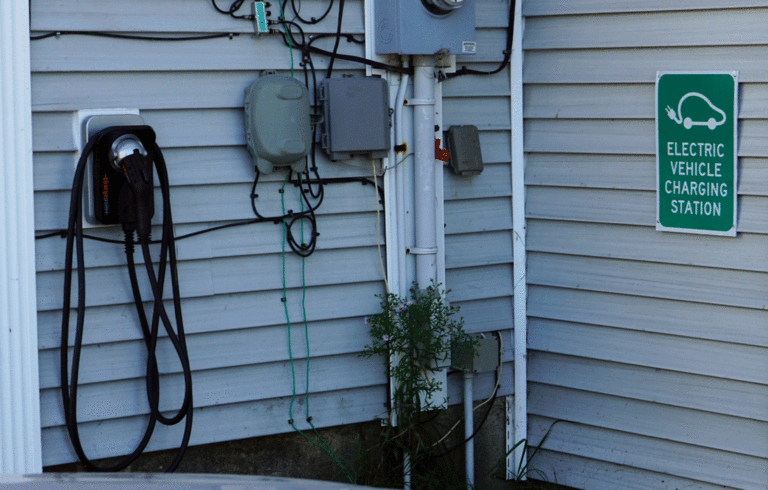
(138, 172)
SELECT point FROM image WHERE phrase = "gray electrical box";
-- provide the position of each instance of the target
(355, 117)
(277, 122)
(464, 145)
(487, 358)
(422, 27)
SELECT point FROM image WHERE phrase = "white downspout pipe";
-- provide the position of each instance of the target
(20, 433)
(520, 315)
(424, 171)
(469, 428)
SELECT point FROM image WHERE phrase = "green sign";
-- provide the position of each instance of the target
(696, 115)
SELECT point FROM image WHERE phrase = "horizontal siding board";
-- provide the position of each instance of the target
(105, 363)
(744, 252)
(341, 231)
(174, 128)
(213, 387)
(742, 26)
(680, 282)
(669, 423)
(112, 286)
(263, 417)
(607, 459)
(222, 202)
(480, 282)
(466, 86)
(91, 54)
(478, 215)
(222, 313)
(590, 136)
(487, 113)
(734, 398)
(487, 315)
(477, 249)
(635, 172)
(494, 181)
(172, 16)
(622, 136)
(599, 101)
(683, 354)
(191, 166)
(625, 207)
(222, 276)
(639, 65)
(578, 472)
(644, 314)
(600, 206)
(560, 7)
(142, 90)
(491, 44)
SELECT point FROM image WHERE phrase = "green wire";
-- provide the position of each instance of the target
(287, 34)
(322, 444)
(285, 305)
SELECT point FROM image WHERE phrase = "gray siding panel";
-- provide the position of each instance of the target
(650, 345)
(230, 280)
(231, 284)
(478, 209)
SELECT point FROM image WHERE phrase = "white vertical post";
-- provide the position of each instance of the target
(520, 315)
(20, 445)
(424, 175)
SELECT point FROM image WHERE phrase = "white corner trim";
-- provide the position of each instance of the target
(520, 315)
(20, 433)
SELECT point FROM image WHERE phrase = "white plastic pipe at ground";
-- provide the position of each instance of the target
(423, 103)
(469, 427)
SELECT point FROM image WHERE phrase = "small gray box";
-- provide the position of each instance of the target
(487, 358)
(355, 117)
(464, 145)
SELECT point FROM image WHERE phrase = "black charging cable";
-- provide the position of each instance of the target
(69, 381)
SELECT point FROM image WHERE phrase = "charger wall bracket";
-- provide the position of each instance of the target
(86, 123)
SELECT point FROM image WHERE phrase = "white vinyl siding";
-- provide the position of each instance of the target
(650, 346)
(192, 93)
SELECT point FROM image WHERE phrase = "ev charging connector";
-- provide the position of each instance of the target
(122, 178)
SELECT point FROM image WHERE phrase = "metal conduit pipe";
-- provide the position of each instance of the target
(423, 103)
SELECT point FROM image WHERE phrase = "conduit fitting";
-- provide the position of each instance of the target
(422, 101)
(423, 250)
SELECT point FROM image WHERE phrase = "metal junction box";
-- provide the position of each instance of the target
(464, 146)
(487, 358)
(412, 27)
(355, 117)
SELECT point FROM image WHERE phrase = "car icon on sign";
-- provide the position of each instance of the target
(687, 122)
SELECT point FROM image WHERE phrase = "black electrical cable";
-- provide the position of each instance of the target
(69, 383)
(335, 51)
(487, 412)
(341, 56)
(135, 37)
(507, 53)
(480, 426)
(312, 20)
(308, 182)
(234, 7)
